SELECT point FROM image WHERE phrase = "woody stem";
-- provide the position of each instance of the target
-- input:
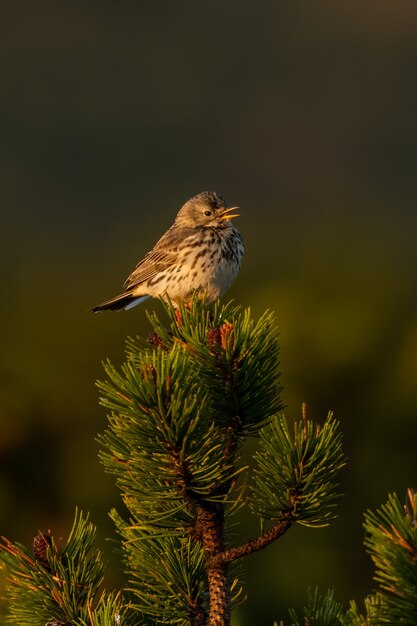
(210, 519)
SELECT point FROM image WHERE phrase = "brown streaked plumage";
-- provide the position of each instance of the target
(199, 254)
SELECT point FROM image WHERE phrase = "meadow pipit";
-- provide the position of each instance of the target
(199, 254)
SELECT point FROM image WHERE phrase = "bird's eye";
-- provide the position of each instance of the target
(208, 213)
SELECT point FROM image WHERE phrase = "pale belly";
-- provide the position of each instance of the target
(209, 273)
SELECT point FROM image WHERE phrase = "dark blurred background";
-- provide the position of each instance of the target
(304, 114)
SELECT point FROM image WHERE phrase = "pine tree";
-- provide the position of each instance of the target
(59, 586)
(180, 410)
(391, 541)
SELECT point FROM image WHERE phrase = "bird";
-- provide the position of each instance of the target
(200, 254)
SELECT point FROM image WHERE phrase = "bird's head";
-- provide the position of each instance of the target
(205, 210)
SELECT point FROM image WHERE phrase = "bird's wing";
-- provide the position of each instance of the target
(162, 256)
(153, 263)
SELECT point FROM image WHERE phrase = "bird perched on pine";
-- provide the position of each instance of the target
(199, 254)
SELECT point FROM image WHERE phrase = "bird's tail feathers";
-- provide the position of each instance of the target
(124, 301)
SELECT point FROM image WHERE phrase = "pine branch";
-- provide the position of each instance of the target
(59, 585)
(295, 474)
(179, 409)
(320, 611)
(180, 406)
(236, 359)
(254, 545)
(391, 540)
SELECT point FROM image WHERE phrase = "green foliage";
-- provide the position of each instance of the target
(391, 540)
(295, 474)
(320, 611)
(326, 611)
(179, 409)
(233, 356)
(180, 406)
(61, 584)
(372, 612)
(161, 441)
(166, 574)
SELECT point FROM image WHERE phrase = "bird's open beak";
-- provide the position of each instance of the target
(226, 213)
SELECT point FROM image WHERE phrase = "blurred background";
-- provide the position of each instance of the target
(304, 115)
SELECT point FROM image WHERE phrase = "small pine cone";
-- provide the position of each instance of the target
(155, 340)
(40, 546)
(58, 622)
(213, 338)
